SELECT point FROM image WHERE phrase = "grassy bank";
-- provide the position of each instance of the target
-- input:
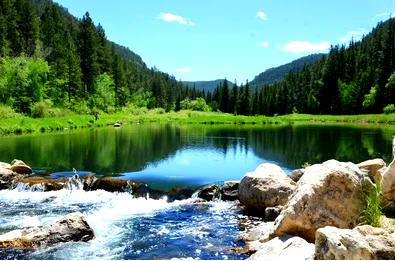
(22, 125)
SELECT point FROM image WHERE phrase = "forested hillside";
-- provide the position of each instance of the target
(276, 74)
(206, 86)
(352, 79)
(52, 59)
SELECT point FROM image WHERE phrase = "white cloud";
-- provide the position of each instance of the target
(171, 18)
(356, 35)
(261, 15)
(184, 70)
(304, 46)
(263, 44)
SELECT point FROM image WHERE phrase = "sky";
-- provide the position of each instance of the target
(198, 40)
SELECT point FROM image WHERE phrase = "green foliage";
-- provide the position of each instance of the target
(370, 99)
(132, 109)
(45, 109)
(142, 99)
(347, 93)
(6, 112)
(390, 108)
(195, 105)
(104, 95)
(372, 213)
(306, 164)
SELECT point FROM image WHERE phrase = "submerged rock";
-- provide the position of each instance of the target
(328, 194)
(72, 227)
(209, 192)
(267, 186)
(285, 248)
(374, 168)
(230, 190)
(363, 242)
(20, 167)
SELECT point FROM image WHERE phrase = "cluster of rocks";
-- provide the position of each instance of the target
(317, 211)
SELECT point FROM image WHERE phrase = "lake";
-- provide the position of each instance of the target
(165, 156)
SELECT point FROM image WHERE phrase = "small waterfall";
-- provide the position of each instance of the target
(74, 183)
(23, 187)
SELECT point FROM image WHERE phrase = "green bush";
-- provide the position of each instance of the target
(195, 105)
(45, 109)
(131, 108)
(390, 108)
(6, 112)
(372, 213)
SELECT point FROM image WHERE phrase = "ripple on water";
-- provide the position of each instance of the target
(125, 227)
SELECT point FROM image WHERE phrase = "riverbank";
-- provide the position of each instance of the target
(25, 125)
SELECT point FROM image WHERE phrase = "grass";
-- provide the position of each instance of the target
(372, 214)
(22, 125)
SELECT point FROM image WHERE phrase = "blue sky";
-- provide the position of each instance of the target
(236, 39)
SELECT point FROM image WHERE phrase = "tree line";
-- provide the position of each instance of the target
(353, 79)
(47, 55)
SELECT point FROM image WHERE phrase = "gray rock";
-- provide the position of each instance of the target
(72, 227)
(328, 194)
(272, 213)
(230, 190)
(388, 179)
(363, 242)
(209, 192)
(285, 248)
(267, 186)
(296, 174)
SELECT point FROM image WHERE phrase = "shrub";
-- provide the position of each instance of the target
(44, 109)
(372, 213)
(6, 112)
(195, 105)
(390, 108)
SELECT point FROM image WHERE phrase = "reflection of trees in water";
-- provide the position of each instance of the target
(104, 151)
(293, 145)
(109, 150)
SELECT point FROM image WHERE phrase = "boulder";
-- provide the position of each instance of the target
(285, 248)
(44, 183)
(388, 179)
(267, 186)
(272, 213)
(178, 193)
(111, 185)
(20, 167)
(256, 236)
(296, 174)
(72, 227)
(4, 165)
(89, 181)
(230, 190)
(373, 168)
(328, 194)
(363, 242)
(209, 192)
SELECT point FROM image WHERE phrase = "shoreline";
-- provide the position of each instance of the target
(27, 125)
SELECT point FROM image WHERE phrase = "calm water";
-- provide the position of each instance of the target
(164, 156)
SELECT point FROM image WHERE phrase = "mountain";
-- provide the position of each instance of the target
(206, 86)
(276, 74)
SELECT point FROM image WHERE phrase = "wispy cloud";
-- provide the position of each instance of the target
(184, 70)
(263, 44)
(356, 35)
(172, 18)
(304, 46)
(261, 15)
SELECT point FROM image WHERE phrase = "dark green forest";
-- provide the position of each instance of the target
(353, 79)
(52, 59)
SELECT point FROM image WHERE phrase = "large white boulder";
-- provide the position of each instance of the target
(363, 242)
(374, 168)
(267, 186)
(328, 194)
(285, 248)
